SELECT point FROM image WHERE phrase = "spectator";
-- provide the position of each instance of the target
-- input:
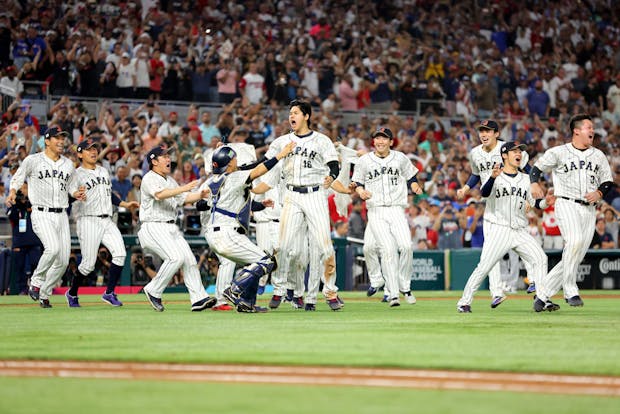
(121, 184)
(602, 239)
(252, 85)
(126, 80)
(227, 78)
(449, 229)
(348, 96)
(357, 225)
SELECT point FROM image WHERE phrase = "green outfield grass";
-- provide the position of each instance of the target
(430, 334)
(49, 396)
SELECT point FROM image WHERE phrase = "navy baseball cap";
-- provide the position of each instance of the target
(509, 146)
(157, 152)
(386, 132)
(87, 143)
(54, 132)
(488, 124)
(221, 158)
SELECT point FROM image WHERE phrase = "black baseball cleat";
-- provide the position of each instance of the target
(549, 306)
(203, 304)
(155, 302)
(45, 303)
(275, 301)
(334, 304)
(33, 292)
(310, 307)
(575, 301)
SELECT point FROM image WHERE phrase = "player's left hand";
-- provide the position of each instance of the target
(268, 202)
(328, 181)
(550, 199)
(593, 197)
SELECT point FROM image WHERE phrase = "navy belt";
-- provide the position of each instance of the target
(239, 230)
(582, 202)
(168, 222)
(275, 220)
(51, 209)
(303, 190)
(101, 216)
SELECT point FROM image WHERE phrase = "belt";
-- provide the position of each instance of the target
(582, 202)
(303, 190)
(168, 222)
(275, 220)
(51, 209)
(239, 230)
(101, 216)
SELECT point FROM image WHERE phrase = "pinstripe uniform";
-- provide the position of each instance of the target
(305, 214)
(159, 234)
(575, 173)
(504, 217)
(482, 163)
(386, 179)
(94, 218)
(48, 182)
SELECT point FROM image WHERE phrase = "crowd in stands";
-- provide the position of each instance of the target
(428, 70)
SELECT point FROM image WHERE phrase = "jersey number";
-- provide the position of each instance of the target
(394, 180)
(307, 164)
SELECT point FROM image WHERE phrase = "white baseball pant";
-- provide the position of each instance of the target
(53, 231)
(391, 231)
(304, 217)
(166, 241)
(500, 239)
(268, 239)
(577, 225)
(225, 275)
(93, 231)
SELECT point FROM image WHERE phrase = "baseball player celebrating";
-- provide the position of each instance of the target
(504, 216)
(48, 174)
(305, 213)
(382, 178)
(246, 159)
(482, 160)
(160, 196)
(228, 225)
(581, 177)
(94, 222)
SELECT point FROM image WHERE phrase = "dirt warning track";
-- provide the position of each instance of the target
(313, 375)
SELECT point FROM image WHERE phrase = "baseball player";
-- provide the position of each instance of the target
(246, 159)
(94, 222)
(382, 178)
(581, 178)
(305, 213)
(160, 196)
(228, 225)
(48, 174)
(504, 216)
(482, 159)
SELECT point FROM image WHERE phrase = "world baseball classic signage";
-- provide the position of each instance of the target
(428, 270)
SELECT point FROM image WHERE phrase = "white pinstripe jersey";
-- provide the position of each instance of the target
(575, 173)
(305, 166)
(152, 209)
(47, 180)
(506, 203)
(386, 178)
(98, 191)
(482, 161)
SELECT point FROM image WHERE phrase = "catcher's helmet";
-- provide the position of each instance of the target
(221, 158)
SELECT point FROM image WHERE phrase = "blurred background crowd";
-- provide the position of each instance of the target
(428, 70)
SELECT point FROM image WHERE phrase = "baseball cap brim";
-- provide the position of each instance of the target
(58, 134)
(485, 127)
(383, 134)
